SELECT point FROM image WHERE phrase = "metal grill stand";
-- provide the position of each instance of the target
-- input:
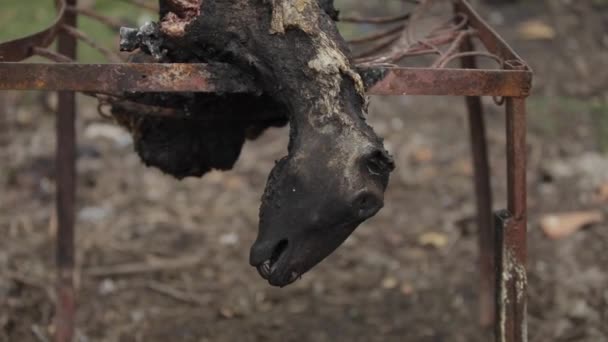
(502, 239)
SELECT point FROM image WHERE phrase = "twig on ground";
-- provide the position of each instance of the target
(182, 296)
(151, 266)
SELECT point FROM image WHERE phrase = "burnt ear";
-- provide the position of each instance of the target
(379, 162)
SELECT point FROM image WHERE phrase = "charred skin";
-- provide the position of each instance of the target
(209, 135)
(336, 170)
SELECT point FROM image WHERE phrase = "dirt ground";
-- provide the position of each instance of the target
(167, 260)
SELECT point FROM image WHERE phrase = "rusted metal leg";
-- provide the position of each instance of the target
(66, 189)
(512, 252)
(483, 196)
(2, 108)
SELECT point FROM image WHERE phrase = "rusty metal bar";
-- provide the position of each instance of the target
(51, 55)
(491, 40)
(512, 239)
(20, 49)
(376, 20)
(74, 32)
(511, 283)
(483, 197)
(377, 35)
(516, 158)
(108, 78)
(66, 192)
(112, 78)
(456, 45)
(3, 111)
(109, 21)
(455, 82)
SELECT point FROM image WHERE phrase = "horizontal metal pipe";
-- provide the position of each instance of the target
(162, 77)
(117, 78)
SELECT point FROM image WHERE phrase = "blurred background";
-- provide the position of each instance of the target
(167, 260)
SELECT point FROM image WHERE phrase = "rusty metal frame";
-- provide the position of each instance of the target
(502, 239)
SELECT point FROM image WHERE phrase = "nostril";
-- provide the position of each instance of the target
(367, 204)
(279, 249)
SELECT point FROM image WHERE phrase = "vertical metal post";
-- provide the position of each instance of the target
(483, 198)
(512, 239)
(2, 109)
(66, 190)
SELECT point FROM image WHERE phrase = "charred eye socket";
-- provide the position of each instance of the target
(379, 163)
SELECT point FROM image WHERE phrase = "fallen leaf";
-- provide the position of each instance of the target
(226, 313)
(423, 155)
(389, 283)
(433, 239)
(536, 30)
(557, 226)
(602, 193)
